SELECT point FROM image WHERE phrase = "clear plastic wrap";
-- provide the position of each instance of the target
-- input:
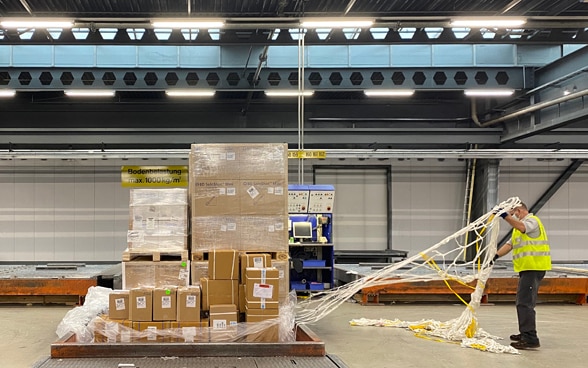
(155, 274)
(278, 327)
(158, 196)
(78, 319)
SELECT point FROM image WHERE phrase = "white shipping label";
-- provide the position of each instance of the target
(270, 190)
(135, 236)
(125, 335)
(232, 226)
(190, 301)
(279, 190)
(219, 324)
(223, 228)
(231, 191)
(120, 304)
(141, 302)
(281, 274)
(263, 291)
(166, 301)
(258, 262)
(150, 224)
(233, 323)
(231, 156)
(253, 192)
(271, 228)
(152, 330)
(279, 226)
(222, 191)
(184, 274)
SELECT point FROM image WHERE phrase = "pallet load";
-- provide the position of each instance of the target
(157, 239)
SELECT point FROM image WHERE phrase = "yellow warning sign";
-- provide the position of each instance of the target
(307, 154)
(154, 176)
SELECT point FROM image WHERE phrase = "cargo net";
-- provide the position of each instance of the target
(479, 239)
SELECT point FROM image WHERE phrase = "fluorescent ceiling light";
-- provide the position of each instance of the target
(90, 92)
(288, 93)
(187, 23)
(336, 23)
(7, 92)
(389, 92)
(488, 92)
(36, 23)
(488, 23)
(188, 93)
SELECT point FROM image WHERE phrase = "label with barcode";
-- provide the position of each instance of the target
(120, 304)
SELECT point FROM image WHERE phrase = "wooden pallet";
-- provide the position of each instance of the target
(154, 255)
(203, 256)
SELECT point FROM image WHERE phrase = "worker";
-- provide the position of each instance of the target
(531, 259)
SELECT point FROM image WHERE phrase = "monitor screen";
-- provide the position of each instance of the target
(302, 230)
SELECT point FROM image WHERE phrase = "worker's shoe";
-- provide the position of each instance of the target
(516, 337)
(524, 345)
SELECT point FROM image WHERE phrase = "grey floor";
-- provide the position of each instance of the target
(28, 331)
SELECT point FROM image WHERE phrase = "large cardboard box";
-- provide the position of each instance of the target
(268, 329)
(215, 232)
(141, 300)
(263, 197)
(215, 161)
(214, 197)
(159, 219)
(189, 304)
(223, 265)
(164, 304)
(262, 288)
(118, 304)
(146, 273)
(223, 322)
(257, 260)
(264, 233)
(218, 292)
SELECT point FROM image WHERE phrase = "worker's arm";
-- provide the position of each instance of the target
(516, 224)
(504, 250)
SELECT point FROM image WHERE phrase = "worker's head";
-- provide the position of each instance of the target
(520, 211)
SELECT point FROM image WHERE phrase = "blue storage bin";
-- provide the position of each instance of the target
(298, 285)
(314, 263)
(317, 286)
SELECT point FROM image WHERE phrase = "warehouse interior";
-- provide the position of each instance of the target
(418, 123)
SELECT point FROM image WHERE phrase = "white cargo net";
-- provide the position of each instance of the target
(431, 264)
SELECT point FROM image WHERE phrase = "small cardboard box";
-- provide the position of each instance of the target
(118, 304)
(223, 322)
(218, 292)
(223, 265)
(189, 304)
(151, 331)
(262, 288)
(257, 260)
(268, 320)
(141, 300)
(164, 304)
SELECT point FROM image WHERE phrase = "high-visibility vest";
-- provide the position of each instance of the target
(530, 254)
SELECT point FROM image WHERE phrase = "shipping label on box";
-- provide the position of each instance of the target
(257, 260)
(262, 288)
(189, 304)
(263, 197)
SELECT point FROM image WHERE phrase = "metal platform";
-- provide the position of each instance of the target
(51, 282)
(559, 285)
(328, 361)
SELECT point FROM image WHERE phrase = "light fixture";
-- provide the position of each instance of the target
(388, 92)
(488, 92)
(190, 93)
(188, 23)
(286, 93)
(90, 92)
(36, 23)
(488, 22)
(7, 92)
(336, 23)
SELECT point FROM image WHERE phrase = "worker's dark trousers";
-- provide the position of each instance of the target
(526, 301)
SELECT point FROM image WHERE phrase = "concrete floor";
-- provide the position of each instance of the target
(28, 331)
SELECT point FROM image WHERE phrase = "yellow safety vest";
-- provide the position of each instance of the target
(530, 254)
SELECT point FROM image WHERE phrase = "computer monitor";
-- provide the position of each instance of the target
(302, 230)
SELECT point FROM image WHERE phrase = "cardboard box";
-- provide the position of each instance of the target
(118, 304)
(159, 219)
(262, 288)
(216, 161)
(284, 276)
(188, 304)
(199, 269)
(263, 197)
(257, 260)
(164, 304)
(218, 292)
(146, 273)
(264, 233)
(141, 300)
(214, 197)
(151, 331)
(215, 232)
(106, 329)
(223, 265)
(190, 331)
(242, 297)
(269, 325)
(223, 323)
